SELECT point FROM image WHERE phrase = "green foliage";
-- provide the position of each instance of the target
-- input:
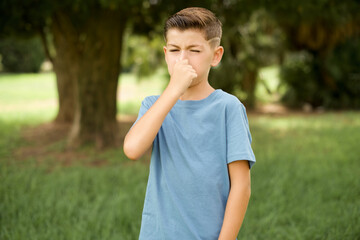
(301, 80)
(23, 17)
(21, 55)
(343, 67)
(252, 36)
(293, 12)
(319, 29)
(143, 55)
(260, 41)
(227, 76)
(249, 45)
(19, 17)
(335, 84)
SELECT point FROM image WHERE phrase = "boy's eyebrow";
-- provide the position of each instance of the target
(190, 46)
(210, 41)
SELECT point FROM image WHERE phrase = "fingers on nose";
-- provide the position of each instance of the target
(183, 60)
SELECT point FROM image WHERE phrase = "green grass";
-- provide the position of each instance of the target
(306, 181)
(24, 96)
(71, 203)
(305, 184)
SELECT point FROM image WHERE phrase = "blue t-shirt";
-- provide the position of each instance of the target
(188, 183)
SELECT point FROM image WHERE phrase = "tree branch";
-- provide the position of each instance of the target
(45, 45)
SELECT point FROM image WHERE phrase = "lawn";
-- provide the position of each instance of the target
(305, 184)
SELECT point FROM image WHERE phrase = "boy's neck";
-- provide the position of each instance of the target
(198, 92)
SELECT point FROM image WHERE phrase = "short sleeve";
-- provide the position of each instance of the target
(146, 105)
(238, 136)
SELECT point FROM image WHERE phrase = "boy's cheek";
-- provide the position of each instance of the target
(170, 69)
(170, 65)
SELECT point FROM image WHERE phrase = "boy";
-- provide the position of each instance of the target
(199, 180)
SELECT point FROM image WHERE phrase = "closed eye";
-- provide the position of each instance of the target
(194, 50)
(174, 50)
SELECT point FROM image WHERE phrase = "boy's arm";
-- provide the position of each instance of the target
(237, 201)
(142, 134)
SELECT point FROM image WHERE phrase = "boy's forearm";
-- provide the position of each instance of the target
(142, 134)
(235, 211)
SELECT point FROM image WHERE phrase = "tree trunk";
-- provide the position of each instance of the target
(98, 68)
(65, 66)
(249, 85)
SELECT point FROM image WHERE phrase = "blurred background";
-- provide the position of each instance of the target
(72, 78)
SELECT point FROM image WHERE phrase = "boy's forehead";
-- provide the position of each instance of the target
(188, 36)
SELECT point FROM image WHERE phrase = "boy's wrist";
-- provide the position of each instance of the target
(173, 91)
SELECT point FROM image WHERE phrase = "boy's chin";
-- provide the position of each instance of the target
(195, 82)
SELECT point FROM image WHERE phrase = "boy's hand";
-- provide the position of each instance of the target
(182, 76)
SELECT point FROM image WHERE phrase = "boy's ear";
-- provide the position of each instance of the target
(165, 51)
(218, 53)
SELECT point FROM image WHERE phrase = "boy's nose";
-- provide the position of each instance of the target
(182, 55)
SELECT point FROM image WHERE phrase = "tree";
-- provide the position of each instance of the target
(83, 39)
(317, 27)
(251, 40)
(90, 52)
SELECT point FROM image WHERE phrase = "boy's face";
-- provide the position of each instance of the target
(191, 45)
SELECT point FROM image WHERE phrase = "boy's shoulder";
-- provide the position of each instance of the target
(229, 100)
(150, 100)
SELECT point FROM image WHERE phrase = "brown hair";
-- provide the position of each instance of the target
(195, 18)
